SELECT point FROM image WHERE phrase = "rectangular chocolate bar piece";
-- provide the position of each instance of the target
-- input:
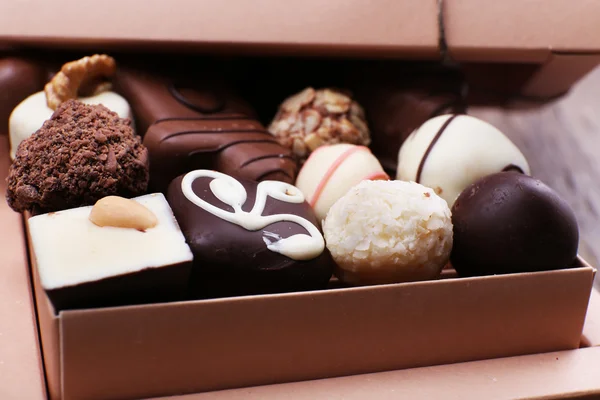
(83, 265)
(198, 123)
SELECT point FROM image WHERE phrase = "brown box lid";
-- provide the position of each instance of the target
(553, 40)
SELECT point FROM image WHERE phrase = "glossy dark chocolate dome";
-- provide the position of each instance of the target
(232, 261)
(508, 223)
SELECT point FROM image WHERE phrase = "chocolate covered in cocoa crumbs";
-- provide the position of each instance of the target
(80, 155)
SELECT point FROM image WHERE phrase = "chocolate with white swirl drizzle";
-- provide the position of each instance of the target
(248, 237)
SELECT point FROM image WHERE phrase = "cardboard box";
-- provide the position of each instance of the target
(187, 347)
(535, 52)
(559, 375)
(570, 374)
(196, 346)
(591, 329)
(541, 47)
(21, 369)
(86, 357)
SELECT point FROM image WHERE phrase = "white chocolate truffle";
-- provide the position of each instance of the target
(31, 113)
(388, 232)
(450, 152)
(72, 251)
(331, 171)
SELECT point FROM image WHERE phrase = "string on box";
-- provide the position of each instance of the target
(447, 60)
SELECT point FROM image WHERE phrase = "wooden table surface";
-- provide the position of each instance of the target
(561, 141)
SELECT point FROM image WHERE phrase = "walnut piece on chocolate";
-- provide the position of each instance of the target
(80, 155)
(313, 118)
(66, 83)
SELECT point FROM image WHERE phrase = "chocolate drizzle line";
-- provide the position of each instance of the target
(513, 167)
(225, 146)
(430, 147)
(223, 117)
(219, 105)
(213, 131)
(255, 159)
(273, 171)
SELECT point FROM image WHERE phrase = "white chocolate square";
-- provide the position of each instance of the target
(69, 249)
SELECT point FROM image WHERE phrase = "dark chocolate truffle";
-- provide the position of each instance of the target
(18, 79)
(509, 223)
(80, 155)
(231, 259)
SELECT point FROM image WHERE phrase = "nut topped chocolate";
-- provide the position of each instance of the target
(85, 80)
(508, 223)
(82, 154)
(98, 256)
(248, 237)
(313, 118)
(199, 123)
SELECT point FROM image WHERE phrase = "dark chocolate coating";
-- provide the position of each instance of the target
(509, 222)
(398, 99)
(151, 285)
(230, 260)
(19, 78)
(197, 125)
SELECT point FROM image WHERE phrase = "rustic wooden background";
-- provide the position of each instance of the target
(561, 141)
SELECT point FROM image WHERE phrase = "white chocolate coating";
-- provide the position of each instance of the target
(468, 149)
(70, 249)
(389, 231)
(331, 171)
(231, 192)
(31, 113)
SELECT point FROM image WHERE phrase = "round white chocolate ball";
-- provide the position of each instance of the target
(331, 171)
(454, 151)
(31, 113)
(388, 232)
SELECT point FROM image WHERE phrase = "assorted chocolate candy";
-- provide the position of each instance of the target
(191, 124)
(449, 152)
(117, 252)
(313, 118)
(200, 200)
(84, 80)
(331, 171)
(509, 222)
(248, 237)
(387, 232)
(80, 155)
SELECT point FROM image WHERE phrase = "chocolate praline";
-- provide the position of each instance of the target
(230, 260)
(19, 77)
(193, 120)
(508, 223)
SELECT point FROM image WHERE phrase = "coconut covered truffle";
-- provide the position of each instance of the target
(80, 155)
(388, 232)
